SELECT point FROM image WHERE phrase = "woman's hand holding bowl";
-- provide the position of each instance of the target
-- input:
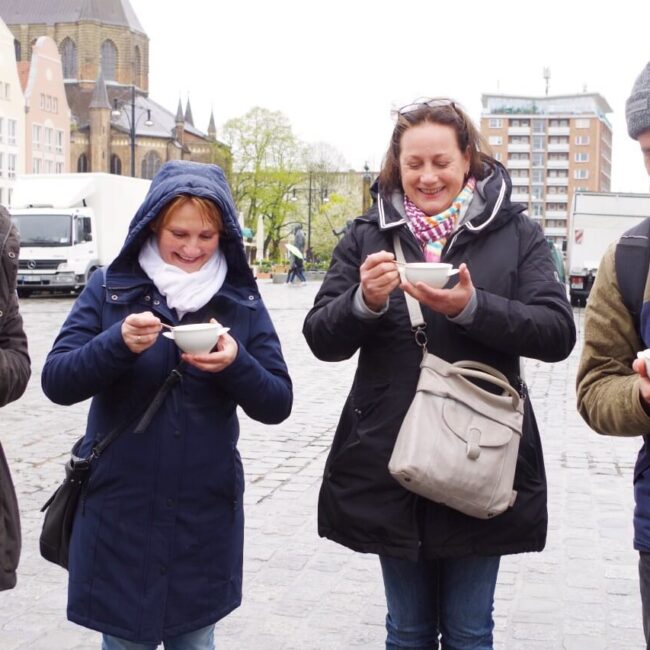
(449, 302)
(379, 276)
(140, 331)
(218, 359)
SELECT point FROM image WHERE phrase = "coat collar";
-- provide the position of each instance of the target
(486, 209)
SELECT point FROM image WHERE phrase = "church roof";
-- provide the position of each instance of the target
(100, 96)
(164, 121)
(50, 12)
(188, 113)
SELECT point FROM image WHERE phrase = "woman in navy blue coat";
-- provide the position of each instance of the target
(156, 550)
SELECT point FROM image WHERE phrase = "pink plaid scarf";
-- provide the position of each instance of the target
(432, 231)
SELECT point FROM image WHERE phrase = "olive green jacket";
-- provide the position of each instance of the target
(607, 387)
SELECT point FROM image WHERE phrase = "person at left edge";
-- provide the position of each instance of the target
(156, 548)
(14, 376)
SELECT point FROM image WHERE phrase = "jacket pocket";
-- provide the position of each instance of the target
(357, 419)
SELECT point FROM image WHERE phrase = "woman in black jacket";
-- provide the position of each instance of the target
(448, 201)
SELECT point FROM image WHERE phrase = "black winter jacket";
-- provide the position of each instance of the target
(522, 310)
(14, 375)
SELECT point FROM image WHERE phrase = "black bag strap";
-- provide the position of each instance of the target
(632, 261)
(172, 379)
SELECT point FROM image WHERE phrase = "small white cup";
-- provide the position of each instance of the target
(435, 274)
(644, 355)
(197, 338)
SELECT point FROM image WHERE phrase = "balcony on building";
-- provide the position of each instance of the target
(520, 164)
(518, 130)
(559, 130)
(519, 147)
(558, 146)
(557, 164)
(519, 197)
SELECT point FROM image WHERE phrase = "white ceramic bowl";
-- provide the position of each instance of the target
(435, 274)
(197, 338)
(645, 355)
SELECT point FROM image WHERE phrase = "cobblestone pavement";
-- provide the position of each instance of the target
(303, 592)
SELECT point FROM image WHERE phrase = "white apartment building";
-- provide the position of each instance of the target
(12, 117)
(551, 146)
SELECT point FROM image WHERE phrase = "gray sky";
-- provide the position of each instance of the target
(336, 68)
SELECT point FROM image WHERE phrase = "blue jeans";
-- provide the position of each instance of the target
(202, 639)
(449, 599)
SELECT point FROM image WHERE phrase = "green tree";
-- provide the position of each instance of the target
(265, 170)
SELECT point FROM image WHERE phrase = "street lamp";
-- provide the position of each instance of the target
(365, 197)
(133, 123)
(323, 192)
(324, 199)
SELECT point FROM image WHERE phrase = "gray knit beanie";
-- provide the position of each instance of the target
(637, 107)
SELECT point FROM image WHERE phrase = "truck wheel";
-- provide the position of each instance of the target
(24, 293)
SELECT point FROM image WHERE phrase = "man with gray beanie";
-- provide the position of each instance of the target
(613, 385)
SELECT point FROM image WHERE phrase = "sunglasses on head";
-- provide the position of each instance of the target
(436, 102)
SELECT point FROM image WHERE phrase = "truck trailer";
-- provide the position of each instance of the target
(597, 219)
(70, 225)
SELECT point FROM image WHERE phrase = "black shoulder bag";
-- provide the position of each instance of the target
(60, 508)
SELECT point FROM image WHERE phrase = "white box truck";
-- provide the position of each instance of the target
(596, 220)
(70, 225)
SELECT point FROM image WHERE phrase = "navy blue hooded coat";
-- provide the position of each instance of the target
(157, 543)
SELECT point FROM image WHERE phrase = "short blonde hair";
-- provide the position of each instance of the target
(209, 212)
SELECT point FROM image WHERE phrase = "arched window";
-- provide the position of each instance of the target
(82, 163)
(109, 60)
(137, 66)
(116, 165)
(68, 51)
(17, 49)
(150, 164)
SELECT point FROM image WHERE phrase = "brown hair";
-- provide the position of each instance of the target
(210, 213)
(441, 112)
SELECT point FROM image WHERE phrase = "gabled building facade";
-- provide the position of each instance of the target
(47, 114)
(12, 117)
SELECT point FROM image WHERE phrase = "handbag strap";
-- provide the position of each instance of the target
(466, 368)
(172, 379)
(413, 306)
(488, 374)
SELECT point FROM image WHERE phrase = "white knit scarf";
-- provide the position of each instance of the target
(185, 292)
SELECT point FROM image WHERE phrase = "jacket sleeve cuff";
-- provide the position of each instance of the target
(362, 311)
(466, 317)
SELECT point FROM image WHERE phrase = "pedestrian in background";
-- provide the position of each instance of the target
(299, 238)
(14, 375)
(613, 385)
(448, 200)
(157, 543)
(296, 270)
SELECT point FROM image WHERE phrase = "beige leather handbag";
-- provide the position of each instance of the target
(458, 443)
